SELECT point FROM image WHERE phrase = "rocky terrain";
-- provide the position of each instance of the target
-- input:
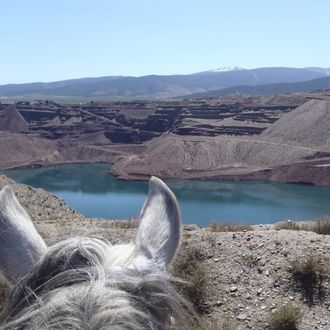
(247, 275)
(283, 137)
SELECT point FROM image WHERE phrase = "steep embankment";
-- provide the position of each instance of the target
(299, 136)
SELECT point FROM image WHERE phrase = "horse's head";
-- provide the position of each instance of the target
(84, 282)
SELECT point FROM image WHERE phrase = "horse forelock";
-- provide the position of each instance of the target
(85, 283)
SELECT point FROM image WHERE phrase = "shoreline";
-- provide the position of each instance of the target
(314, 172)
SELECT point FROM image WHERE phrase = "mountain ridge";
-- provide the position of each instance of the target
(268, 89)
(162, 86)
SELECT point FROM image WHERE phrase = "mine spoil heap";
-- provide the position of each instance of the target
(245, 137)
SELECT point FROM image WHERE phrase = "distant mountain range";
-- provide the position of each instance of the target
(267, 89)
(215, 82)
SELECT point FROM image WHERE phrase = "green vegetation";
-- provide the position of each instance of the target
(286, 318)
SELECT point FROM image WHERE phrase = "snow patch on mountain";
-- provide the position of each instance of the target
(227, 69)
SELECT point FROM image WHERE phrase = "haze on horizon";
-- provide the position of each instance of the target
(50, 41)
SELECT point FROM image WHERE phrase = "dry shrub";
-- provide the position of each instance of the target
(308, 275)
(321, 226)
(4, 290)
(126, 224)
(226, 323)
(228, 227)
(190, 267)
(66, 228)
(250, 260)
(289, 225)
(286, 318)
(307, 269)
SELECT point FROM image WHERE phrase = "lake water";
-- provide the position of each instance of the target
(89, 189)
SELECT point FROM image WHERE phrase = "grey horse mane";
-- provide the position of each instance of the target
(86, 283)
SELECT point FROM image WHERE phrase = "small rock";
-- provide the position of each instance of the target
(233, 289)
(241, 317)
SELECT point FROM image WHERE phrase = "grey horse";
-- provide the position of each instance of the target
(87, 283)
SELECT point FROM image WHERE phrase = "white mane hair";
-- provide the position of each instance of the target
(84, 282)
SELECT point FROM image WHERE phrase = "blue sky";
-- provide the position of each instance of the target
(53, 40)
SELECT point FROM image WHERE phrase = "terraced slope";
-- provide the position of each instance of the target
(300, 135)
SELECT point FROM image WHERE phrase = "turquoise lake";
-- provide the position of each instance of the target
(89, 189)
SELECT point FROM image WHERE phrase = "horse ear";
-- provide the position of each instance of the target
(159, 232)
(20, 244)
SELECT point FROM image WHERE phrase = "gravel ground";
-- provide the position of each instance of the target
(247, 273)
